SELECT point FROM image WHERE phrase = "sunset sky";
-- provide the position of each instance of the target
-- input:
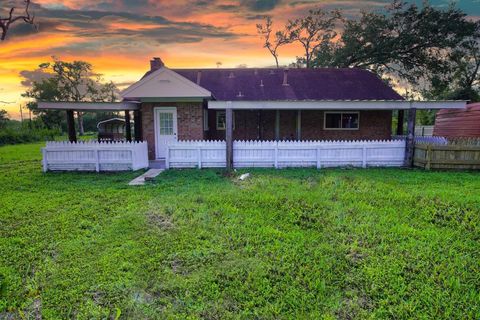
(120, 36)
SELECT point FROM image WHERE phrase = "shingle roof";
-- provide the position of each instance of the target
(304, 84)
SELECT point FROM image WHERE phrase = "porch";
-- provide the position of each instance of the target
(268, 133)
(341, 121)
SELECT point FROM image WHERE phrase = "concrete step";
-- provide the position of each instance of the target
(149, 175)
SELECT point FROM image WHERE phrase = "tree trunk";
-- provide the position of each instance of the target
(81, 132)
(276, 60)
(307, 59)
(71, 126)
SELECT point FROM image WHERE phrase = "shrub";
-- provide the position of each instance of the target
(12, 136)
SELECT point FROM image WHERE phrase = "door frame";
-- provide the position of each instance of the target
(156, 111)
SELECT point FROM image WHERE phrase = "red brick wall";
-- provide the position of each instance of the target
(373, 125)
(189, 122)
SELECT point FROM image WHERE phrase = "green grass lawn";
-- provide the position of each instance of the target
(289, 244)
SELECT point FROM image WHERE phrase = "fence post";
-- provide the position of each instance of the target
(97, 160)
(319, 164)
(199, 156)
(276, 155)
(44, 160)
(428, 165)
(167, 158)
(229, 135)
(364, 156)
(410, 141)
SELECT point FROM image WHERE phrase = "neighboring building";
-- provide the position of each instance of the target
(111, 130)
(458, 123)
(424, 131)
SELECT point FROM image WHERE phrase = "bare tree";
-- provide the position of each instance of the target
(5, 23)
(313, 31)
(265, 31)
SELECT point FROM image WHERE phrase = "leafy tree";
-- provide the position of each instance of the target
(314, 31)
(462, 82)
(3, 118)
(272, 45)
(405, 41)
(70, 82)
(11, 18)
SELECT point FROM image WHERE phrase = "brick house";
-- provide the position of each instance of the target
(171, 105)
(189, 104)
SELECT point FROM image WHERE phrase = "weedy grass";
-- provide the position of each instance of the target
(289, 244)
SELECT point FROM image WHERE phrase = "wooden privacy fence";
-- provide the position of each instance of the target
(282, 154)
(456, 154)
(94, 156)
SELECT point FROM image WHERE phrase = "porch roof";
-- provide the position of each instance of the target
(337, 105)
(90, 106)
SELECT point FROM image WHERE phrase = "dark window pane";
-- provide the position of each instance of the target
(221, 119)
(333, 120)
(350, 120)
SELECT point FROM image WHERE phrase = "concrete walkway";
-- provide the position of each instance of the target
(150, 174)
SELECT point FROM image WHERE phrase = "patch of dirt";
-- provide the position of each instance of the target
(353, 308)
(355, 256)
(7, 316)
(178, 267)
(98, 297)
(160, 221)
(37, 309)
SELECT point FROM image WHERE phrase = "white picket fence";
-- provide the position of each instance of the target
(94, 156)
(282, 154)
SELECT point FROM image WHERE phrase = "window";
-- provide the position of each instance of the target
(342, 121)
(205, 119)
(166, 123)
(221, 120)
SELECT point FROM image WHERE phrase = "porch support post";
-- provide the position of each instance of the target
(277, 125)
(410, 141)
(400, 118)
(72, 137)
(229, 135)
(299, 125)
(259, 127)
(128, 128)
(137, 125)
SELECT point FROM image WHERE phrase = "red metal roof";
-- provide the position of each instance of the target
(458, 122)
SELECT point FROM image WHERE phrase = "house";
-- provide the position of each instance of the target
(113, 129)
(172, 105)
(458, 123)
(175, 103)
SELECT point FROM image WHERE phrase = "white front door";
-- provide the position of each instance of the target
(165, 129)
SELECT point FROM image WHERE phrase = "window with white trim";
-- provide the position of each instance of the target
(221, 119)
(341, 121)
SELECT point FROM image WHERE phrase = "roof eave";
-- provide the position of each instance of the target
(336, 105)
